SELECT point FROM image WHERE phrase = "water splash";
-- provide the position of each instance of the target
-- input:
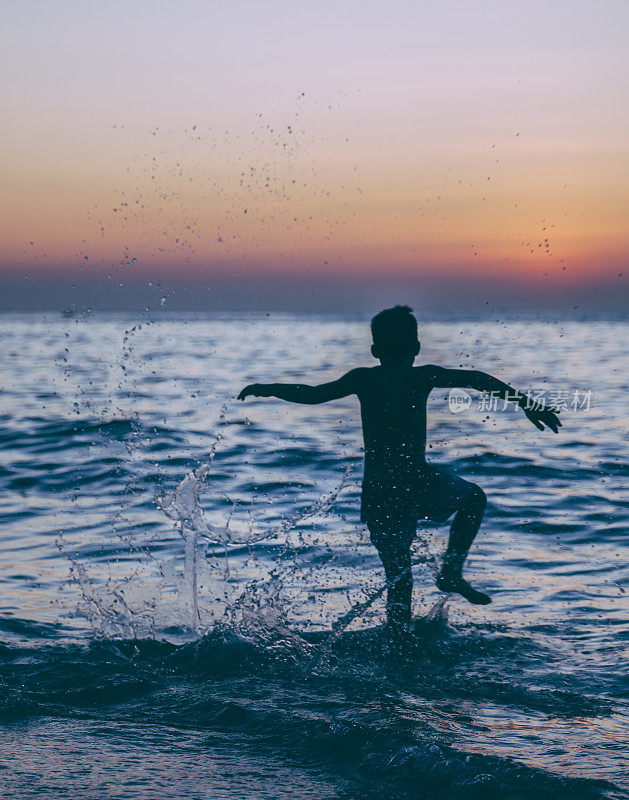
(132, 605)
(184, 507)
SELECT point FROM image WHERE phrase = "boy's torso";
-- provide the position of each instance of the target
(398, 483)
(393, 411)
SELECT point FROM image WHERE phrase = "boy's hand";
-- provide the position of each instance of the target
(541, 415)
(254, 390)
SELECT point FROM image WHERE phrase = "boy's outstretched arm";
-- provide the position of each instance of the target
(302, 393)
(538, 413)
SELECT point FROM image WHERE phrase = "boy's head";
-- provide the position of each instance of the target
(394, 333)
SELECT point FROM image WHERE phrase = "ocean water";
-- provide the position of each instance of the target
(190, 608)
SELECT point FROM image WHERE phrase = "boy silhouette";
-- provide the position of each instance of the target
(399, 486)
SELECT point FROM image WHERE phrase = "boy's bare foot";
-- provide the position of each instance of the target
(458, 585)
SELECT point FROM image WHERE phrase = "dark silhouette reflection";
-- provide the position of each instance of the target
(399, 486)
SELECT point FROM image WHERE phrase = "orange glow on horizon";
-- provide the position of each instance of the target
(460, 158)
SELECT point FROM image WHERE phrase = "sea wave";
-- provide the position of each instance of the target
(335, 700)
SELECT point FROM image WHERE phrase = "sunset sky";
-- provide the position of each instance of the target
(227, 142)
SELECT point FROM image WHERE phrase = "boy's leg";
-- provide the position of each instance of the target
(393, 543)
(464, 528)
